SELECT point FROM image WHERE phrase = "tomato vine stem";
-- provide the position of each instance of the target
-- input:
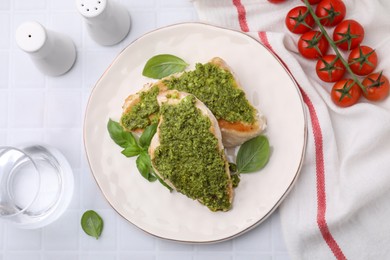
(333, 45)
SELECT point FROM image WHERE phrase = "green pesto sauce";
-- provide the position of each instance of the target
(144, 112)
(235, 180)
(216, 88)
(189, 157)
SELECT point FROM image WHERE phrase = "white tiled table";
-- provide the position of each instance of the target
(35, 108)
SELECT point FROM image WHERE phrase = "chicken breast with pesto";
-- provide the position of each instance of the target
(214, 84)
(187, 151)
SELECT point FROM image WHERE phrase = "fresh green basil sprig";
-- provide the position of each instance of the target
(92, 224)
(163, 65)
(139, 148)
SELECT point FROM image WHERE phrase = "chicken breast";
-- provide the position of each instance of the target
(236, 133)
(187, 151)
(216, 86)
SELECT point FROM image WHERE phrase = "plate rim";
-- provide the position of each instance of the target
(304, 146)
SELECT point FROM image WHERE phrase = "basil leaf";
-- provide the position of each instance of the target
(147, 135)
(144, 166)
(120, 136)
(253, 155)
(131, 151)
(163, 65)
(92, 223)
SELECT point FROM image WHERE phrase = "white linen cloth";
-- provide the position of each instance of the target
(340, 205)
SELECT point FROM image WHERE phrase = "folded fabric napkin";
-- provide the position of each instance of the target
(340, 205)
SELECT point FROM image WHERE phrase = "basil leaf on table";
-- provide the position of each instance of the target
(163, 65)
(147, 135)
(253, 155)
(144, 166)
(120, 136)
(92, 224)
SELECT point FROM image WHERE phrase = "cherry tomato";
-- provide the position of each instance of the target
(362, 60)
(377, 87)
(348, 34)
(276, 1)
(313, 2)
(312, 45)
(345, 93)
(329, 68)
(331, 12)
(298, 20)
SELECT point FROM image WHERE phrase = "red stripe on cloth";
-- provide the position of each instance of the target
(241, 15)
(320, 173)
(320, 166)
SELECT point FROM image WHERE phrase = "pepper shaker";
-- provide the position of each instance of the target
(53, 53)
(108, 22)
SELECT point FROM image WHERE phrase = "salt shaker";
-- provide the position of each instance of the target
(107, 22)
(53, 53)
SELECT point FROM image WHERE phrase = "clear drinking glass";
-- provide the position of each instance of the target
(36, 185)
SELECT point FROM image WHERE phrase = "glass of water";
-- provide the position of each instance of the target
(36, 185)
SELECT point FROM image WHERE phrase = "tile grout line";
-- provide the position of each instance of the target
(44, 124)
(10, 78)
(272, 235)
(45, 82)
(11, 11)
(81, 59)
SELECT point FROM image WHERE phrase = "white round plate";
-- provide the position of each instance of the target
(150, 206)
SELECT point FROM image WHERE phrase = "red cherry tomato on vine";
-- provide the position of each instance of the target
(331, 12)
(377, 87)
(298, 20)
(329, 68)
(345, 93)
(362, 60)
(312, 45)
(313, 2)
(276, 1)
(348, 34)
